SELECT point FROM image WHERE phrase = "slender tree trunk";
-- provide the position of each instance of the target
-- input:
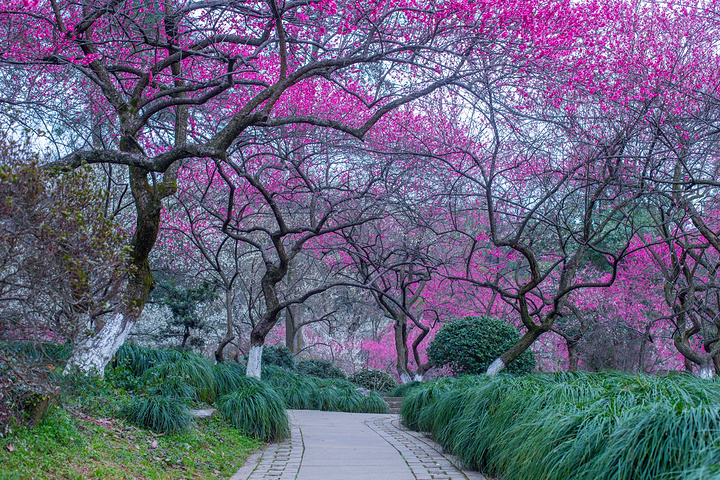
(401, 347)
(229, 332)
(272, 277)
(573, 359)
(514, 352)
(293, 330)
(688, 364)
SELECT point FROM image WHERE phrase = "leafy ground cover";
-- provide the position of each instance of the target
(75, 446)
(612, 426)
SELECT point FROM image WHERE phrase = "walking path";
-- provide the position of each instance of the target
(351, 446)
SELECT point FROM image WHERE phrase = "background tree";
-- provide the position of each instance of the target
(172, 81)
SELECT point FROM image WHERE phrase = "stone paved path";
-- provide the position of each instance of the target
(351, 446)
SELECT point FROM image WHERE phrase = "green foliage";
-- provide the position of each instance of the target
(139, 359)
(574, 426)
(375, 380)
(228, 377)
(319, 368)
(42, 352)
(373, 403)
(403, 389)
(256, 410)
(158, 412)
(279, 356)
(300, 393)
(68, 447)
(470, 345)
(183, 304)
(189, 372)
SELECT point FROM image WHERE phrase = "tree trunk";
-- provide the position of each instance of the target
(229, 333)
(688, 365)
(514, 352)
(91, 355)
(707, 370)
(254, 364)
(573, 359)
(293, 331)
(401, 347)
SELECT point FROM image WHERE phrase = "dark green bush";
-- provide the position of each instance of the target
(471, 344)
(159, 413)
(279, 356)
(256, 410)
(319, 368)
(375, 380)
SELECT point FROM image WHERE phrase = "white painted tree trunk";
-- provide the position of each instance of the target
(90, 356)
(495, 367)
(405, 378)
(707, 371)
(254, 363)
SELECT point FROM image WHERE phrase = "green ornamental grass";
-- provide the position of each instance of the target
(256, 410)
(575, 426)
(159, 413)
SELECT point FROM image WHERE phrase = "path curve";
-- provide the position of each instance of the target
(351, 446)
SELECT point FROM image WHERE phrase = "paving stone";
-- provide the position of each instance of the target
(351, 446)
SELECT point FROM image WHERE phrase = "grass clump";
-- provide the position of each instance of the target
(574, 426)
(256, 410)
(159, 413)
(373, 403)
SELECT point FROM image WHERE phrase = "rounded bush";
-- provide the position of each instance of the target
(319, 368)
(278, 356)
(256, 410)
(158, 413)
(375, 380)
(471, 344)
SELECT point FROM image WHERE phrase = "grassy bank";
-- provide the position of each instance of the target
(78, 446)
(575, 426)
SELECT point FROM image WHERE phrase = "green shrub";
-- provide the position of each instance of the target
(279, 356)
(375, 380)
(471, 344)
(256, 410)
(159, 413)
(319, 368)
